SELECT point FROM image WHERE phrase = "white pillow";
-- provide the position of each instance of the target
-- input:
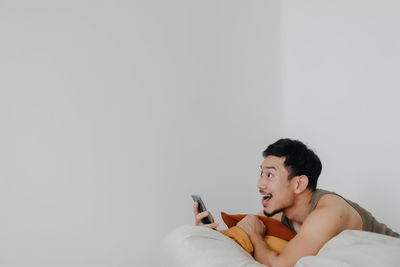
(195, 246)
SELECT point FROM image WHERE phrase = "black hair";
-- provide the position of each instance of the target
(300, 160)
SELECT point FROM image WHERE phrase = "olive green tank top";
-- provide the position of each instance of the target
(370, 224)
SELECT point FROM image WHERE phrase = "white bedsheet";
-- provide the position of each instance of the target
(354, 249)
(193, 246)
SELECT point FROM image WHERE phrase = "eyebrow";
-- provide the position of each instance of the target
(267, 167)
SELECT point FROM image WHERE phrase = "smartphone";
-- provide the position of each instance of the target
(202, 207)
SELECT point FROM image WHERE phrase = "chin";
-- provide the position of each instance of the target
(269, 208)
(271, 213)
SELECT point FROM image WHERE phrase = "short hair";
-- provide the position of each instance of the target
(300, 160)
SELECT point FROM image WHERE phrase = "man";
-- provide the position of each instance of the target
(287, 184)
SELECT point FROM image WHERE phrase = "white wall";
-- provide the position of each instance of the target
(341, 62)
(113, 112)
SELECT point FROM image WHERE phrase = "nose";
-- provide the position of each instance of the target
(262, 182)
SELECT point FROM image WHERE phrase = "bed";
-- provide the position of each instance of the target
(194, 246)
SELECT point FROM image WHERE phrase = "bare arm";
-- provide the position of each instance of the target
(320, 226)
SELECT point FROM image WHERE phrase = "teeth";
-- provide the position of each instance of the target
(267, 196)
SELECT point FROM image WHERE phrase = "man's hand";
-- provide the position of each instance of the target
(198, 216)
(253, 226)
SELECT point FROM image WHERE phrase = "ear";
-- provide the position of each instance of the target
(300, 184)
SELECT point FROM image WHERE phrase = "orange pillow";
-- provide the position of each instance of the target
(276, 237)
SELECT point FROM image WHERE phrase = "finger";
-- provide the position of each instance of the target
(196, 208)
(242, 222)
(202, 215)
(253, 217)
(245, 219)
(198, 217)
(213, 225)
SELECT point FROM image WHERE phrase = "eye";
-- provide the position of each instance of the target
(269, 175)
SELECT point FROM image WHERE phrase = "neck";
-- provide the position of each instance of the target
(300, 208)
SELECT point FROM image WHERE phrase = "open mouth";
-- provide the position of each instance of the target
(266, 198)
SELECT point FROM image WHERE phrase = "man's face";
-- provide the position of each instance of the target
(274, 186)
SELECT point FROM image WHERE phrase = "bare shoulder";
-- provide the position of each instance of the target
(332, 199)
(338, 206)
